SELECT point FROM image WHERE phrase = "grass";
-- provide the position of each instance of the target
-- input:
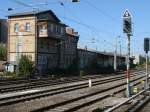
(8, 75)
(98, 110)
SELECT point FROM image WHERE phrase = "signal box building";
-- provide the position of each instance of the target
(42, 36)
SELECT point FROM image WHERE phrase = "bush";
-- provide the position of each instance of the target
(122, 67)
(3, 52)
(82, 73)
(98, 110)
(9, 75)
(72, 69)
(97, 69)
(25, 65)
(133, 66)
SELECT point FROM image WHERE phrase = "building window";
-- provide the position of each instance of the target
(43, 28)
(54, 28)
(51, 28)
(27, 27)
(62, 30)
(59, 30)
(16, 27)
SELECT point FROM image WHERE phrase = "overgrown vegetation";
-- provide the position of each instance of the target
(95, 68)
(132, 66)
(3, 53)
(9, 75)
(98, 110)
(99, 70)
(65, 72)
(70, 70)
(123, 67)
(25, 65)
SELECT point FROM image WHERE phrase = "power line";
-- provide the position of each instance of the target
(101, 12)
(21, 3)
(68, 10)
(27, 5)
(32, 5)
(87, 26)
(91, 28)
(78, 22)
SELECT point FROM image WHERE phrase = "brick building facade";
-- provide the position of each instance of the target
(42, 36)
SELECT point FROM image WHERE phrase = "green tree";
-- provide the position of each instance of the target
(25, 65)
(3, 52)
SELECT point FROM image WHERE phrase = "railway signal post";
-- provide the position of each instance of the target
(127, 29)
(146, 49)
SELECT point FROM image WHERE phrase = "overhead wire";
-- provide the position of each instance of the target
(73, 20)
(89, 27)
(101, 12)
(92, 28)
(21, 3)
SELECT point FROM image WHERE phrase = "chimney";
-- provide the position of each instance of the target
(71, 31)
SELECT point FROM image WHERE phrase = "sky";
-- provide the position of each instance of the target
(99, 22)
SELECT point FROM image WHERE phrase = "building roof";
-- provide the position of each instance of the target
(74, 35)
(70, 31)
(100, 52)
(37, 12)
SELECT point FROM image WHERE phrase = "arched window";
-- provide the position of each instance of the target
(27, 27)
(16, 27)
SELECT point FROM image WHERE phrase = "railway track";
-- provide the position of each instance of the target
(140, 104)
(37, 95)
(137, 103)
(43, 83)
(20, 81)
(85, 100)
(54, 91)
(146, 107)
(27, 80)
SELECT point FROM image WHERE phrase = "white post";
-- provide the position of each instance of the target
(128, 67)
(90, 83)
